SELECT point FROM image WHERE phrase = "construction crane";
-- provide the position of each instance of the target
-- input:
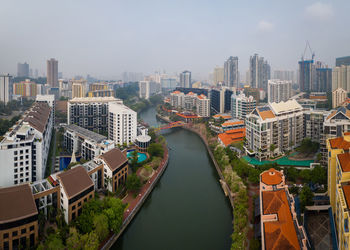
(312, 53)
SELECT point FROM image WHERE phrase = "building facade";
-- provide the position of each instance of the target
(279, 91)
(24, 149)
(260, 72)
(122, 124)
(90, 112)
(52, 72)
(242, 105)
(342, 61)
(23, 69)
(338, 97)
(6, 88)
(185, 79)
(147, 89)
(25, 88)
(277, 124)
(341, 77)
(218, 75)
(231, 76)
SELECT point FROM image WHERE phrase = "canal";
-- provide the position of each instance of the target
(187, 209)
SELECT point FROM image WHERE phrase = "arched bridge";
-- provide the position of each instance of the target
(170, 125)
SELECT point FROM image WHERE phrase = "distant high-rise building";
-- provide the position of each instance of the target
(338, 97)
(231, 76)
(218, 75)
(132, 77)
(285, 75)
(306, 75)
(342, 61)
(147, 89)
(25, 88)
(323, 80)
(185, 79)
(79, 88)
(341, 77)
(5, 88)
(260, 72)
(242, 105)
(279, 91)
(36, 74)
(52, 72)
(23, 69)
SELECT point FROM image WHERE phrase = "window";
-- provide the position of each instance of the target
(90, 196)
(6, 235)
(31, 228)
(15, 152)
(79, 203)
(23, 231)
(73, 207)
(6, 245)
(14, 233)
(85, 200)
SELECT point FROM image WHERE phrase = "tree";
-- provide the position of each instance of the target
(155, 149)
(305, 197)
(114, 213)
(73, 241)
(53, 242)
(292, 173)
(101, 226)
(134, 159)
(319, 175)
(133, 182)
(272, 148)
(90, 241)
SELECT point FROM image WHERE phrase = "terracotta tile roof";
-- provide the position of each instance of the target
(231, 136)
(266, 114)
(61, 106)
(347, 133)
(347, 113)
(339, 142)
(232, 123)
(222, 116)
(176, 92)
(279, 234)
(346, 191)
(272, 177)
(114, 158)
(344, 160)
(75, 180)
(318, 97)
(16, 202)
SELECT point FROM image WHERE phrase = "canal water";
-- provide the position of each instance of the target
(187, 209)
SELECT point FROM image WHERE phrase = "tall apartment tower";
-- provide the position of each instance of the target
(218, 75)
(279, 91)
(5, 88)
(185, 79)
(231, 77)
(342, 61)
(341, 77)
(52, 72)
(23, 69)
(259, 72)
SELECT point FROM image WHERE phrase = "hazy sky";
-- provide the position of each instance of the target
(105, 38)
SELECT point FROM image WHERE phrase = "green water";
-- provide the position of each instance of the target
(187, 209)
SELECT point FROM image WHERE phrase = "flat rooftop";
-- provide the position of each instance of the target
(86, 133)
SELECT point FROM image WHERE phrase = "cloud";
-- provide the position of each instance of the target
(319, 11)
(265, 26)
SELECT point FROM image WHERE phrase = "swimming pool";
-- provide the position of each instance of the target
(140, 156)
(284, 161)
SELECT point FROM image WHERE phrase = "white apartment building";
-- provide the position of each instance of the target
(338, 97)
(341, 77)
(278, 124)
(147, 89)
(203, 106)
(278, 90)
(85, 142)
(122, 124)
(313, 124)
(241, 105)
(24, 148)
(5, 88)
(90, 112)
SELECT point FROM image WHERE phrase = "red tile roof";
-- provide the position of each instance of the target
(344, 160)
(231, 136)
(280, 234)
(346, 191)
(272, 177)
(339, 143)
(114, 158)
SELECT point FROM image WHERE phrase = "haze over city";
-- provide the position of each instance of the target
(106, 38)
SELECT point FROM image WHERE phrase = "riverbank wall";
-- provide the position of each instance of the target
(223, 183)
(132, 214)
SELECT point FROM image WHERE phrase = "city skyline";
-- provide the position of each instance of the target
(111, 43)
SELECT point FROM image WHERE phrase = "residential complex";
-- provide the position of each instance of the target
(218, 75)
(280, 228)
(231, 75)
(231, 131)
(259, 72)
(24, 148)
(25, 88)
(147, 89)
(242, 105)
(338, 97)
(278, 91)
(277, 124)
(90, 112)
(342, 61)
(79, 88)
(122, 123)
(191, 101)
(23, 69)
(84, 142)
